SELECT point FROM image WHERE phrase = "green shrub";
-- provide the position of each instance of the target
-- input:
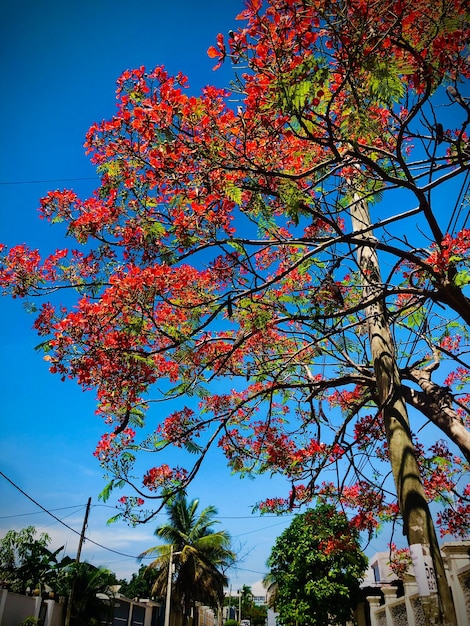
(30, 621)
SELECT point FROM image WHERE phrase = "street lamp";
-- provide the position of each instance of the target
(168, 587)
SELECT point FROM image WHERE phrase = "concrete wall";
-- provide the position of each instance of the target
(14, 608)
(55, 613)
(136, 613)
(407, 610)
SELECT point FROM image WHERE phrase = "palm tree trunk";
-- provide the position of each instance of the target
(220, 614)
(417, 520)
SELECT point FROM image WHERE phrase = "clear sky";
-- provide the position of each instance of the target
(59, 63)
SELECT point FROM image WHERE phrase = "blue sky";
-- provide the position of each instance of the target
(60, 61)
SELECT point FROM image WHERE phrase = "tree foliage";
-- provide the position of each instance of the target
(200, 556)
(140, 585)
(221, 264)
(93, 598)
(256, 614)
(26, 563)
(316, 567)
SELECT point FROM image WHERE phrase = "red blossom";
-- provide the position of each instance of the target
(160, 477)
(455, 521)
(400, 561)
(346, 399)
(218, 52)
(450, 251)
(459, 376)
(201, 257)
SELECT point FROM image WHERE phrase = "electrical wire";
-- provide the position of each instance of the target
(459, 204)
(63, 508)
(49, 512)
(107, 506)
(257, 530)
(99, 545)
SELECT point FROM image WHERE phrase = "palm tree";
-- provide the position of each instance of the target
(272, 589)
(200, 554)
(93, 597)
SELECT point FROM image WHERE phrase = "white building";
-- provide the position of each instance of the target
(395, 607)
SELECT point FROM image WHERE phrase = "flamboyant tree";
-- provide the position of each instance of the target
(286, 262)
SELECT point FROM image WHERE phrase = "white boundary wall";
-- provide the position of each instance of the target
(407, 610)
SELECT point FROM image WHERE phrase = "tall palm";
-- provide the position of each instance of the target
(271, 587)
(201, 555)
(93, 597)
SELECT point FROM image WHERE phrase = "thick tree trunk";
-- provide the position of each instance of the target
(417, 520)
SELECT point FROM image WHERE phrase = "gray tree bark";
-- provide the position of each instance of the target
(417, 520)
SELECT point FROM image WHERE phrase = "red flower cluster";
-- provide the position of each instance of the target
(346, 399)
(455, 521)
(111, 445)
(451, 251)
(163, 476)
(179, 427)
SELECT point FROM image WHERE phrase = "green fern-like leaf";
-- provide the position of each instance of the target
(385, 82)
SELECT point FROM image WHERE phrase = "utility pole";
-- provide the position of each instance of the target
(68, 615)
(168, 588)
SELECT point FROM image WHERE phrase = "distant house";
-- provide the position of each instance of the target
(379, 571)
(260, 595)
(137, 612)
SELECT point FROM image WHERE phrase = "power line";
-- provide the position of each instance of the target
(63, 508)
(284, 515)
(257, 530)
(130, 556)
(107, 506)
(37, 503)
(253, 571)
(459, 204)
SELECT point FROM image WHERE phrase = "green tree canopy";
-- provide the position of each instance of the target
(26, 562)
(92, 594)
(140, 585)
(249, 610)
(316, 566)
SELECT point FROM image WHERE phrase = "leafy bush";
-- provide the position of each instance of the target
(30, 621)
